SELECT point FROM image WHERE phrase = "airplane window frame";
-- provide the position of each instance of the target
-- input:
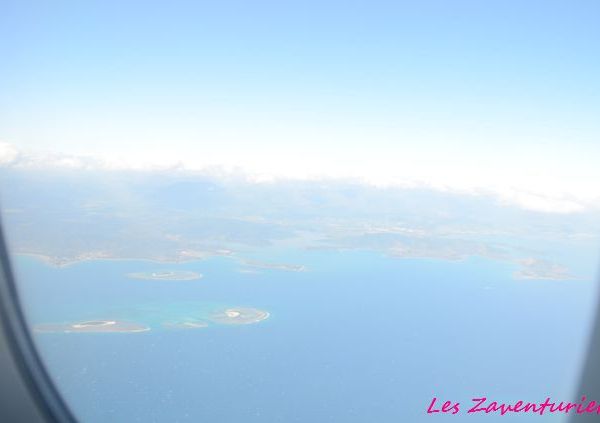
(42, 393)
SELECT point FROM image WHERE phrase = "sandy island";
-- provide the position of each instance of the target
(273, 266)
(239, 316)
(92, 326)
(176, 275)
(185, 324)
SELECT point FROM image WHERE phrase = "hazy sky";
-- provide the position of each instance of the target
(495, 94)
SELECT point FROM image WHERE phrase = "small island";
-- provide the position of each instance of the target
(239, 316)
(539, 269)
(171, 275)
(92, 326)
(273, 266)
(185, 324)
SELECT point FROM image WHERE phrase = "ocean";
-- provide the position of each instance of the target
(356, 338)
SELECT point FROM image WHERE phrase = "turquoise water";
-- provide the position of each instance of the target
(356, 338)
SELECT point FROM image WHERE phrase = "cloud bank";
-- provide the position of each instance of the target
(539, 193)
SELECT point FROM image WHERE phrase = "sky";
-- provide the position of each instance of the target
(502, 96)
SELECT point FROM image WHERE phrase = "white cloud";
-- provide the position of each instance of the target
(542, 203)
(8, 154)
(542, 191)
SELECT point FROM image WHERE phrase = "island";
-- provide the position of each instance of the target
(538, 269)
(273, 266)
(170, 275)
(92, 326)
(185, 324)
(239, 316)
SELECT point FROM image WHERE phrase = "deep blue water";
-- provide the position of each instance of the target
(357, 338)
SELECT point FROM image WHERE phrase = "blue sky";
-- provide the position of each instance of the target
(472, 94)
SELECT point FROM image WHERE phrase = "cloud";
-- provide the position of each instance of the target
(542, 202)
(8, 154)
(542, 193)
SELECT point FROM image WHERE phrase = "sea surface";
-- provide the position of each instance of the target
(358, 337)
